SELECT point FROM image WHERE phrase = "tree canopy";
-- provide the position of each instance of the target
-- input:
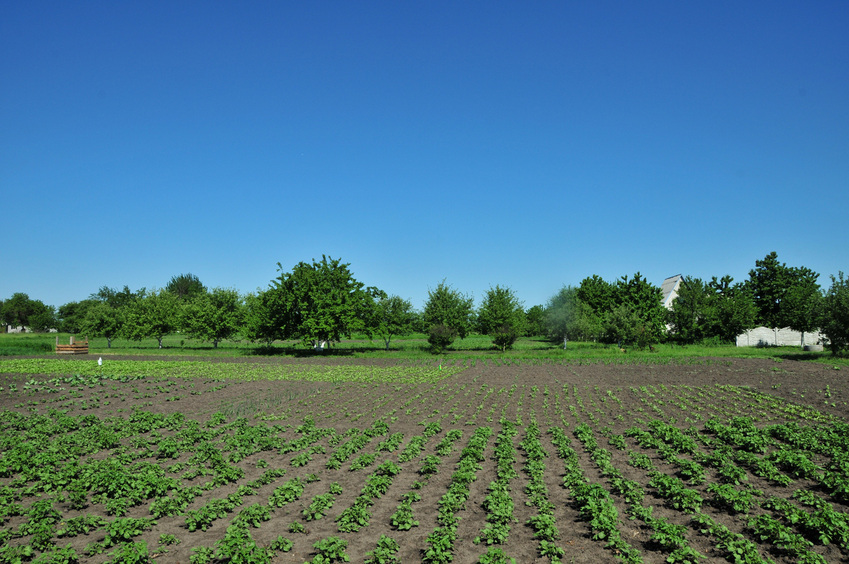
(501, 316)
(393, 316)
(785, 296)
(213, 316)
(450, 308)
(322, 301)
(185, 286)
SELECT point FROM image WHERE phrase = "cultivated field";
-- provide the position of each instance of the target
(321, 460)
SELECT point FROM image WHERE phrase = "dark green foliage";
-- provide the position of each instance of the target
(70, 316)
(440, 337)
(185, 286)
(501, 317)
(835, 325)
(642, 302)
(785, 296)
(320, 302)
(20, 310)
(535, 321)
(448, 307)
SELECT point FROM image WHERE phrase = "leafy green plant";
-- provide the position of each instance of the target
(330, 549)
(385, 553)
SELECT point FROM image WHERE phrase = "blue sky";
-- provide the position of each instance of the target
(528, 145)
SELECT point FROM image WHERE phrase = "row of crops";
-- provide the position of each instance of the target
(428, 469)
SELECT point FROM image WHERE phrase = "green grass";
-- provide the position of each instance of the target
(411, 347)
(20, 344)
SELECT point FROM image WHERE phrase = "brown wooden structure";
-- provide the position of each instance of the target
(74, 347)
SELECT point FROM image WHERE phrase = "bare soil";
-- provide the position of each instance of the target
(619, 396)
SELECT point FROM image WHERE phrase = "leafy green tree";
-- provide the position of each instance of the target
(213, 316)
(393, 316)
(447, 306)
(598, 294)
(567, 317)
(501, 316)
(785, 296)
(835, 315)
(731, 309)
(322, 301)
(70, 316)
(624, 326)
(185, 286)
(688, 315)
(42, 317)
(803, 302)
(265, 319)
(644, 299)
(102, 320)
(35, 315)
(535, 321)
(154, 315)
(117, 298)
(17, 310)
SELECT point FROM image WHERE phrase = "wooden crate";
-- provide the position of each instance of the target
(74, 347)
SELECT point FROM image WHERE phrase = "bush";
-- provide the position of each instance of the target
(504, 337)
(441, 337)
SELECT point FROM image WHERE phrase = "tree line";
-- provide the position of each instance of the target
(321, 302)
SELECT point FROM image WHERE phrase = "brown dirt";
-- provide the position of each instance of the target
(478, 396)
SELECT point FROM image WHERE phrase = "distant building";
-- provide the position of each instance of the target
(669, 288)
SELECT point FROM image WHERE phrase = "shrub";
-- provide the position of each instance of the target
(441, 337)
(504, 337)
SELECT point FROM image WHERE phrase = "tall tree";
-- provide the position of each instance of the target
(688, 315)
(70, 316)
(393, 316)
(803, 302)
(598, 294)
(17, 310)
(501, 316)
(644, 299)
(213, 316)
(323, 301)
(185, 286)
(731, 309)
(34, 315)
(785, 296)
(768, 282)
(535, 321)
(265, 317)
(717, 309)
(153, 315)
(450, 308)
(103, 320)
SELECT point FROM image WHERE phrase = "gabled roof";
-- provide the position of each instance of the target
(669, 288)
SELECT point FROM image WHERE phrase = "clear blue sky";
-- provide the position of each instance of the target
(526, 144)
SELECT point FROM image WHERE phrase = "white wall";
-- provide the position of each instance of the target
(786, 337)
